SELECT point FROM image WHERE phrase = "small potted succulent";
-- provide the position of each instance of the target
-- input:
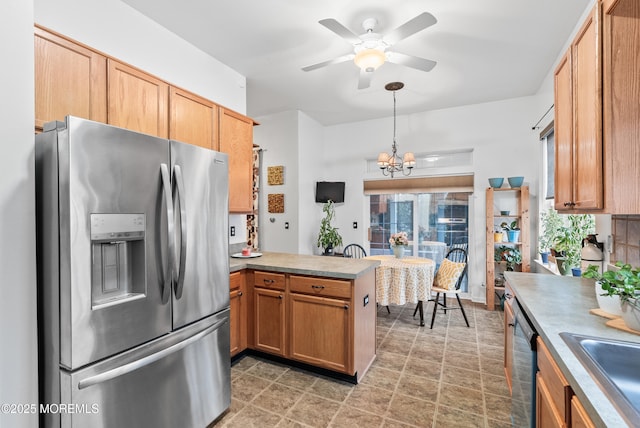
(624, 283)
(398, 241)
(512, 229)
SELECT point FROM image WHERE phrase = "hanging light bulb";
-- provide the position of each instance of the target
(392, 163)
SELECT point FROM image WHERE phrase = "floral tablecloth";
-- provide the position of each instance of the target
(405, 280)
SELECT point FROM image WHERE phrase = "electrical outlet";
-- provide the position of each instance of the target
(232, 232)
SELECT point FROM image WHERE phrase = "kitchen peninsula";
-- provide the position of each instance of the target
(556, 304)
(312, 310)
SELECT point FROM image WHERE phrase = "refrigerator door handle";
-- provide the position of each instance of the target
(149, 359)
(179, 281)
(170, 266)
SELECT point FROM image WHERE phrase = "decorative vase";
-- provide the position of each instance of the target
(328, 251)
(398, 251)
(563, 267)
(631, 314)
(513, 235)
(609, 304)
(545, 257)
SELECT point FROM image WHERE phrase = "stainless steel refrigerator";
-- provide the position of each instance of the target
(133, 278)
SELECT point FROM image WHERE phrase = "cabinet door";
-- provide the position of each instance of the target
(509, 325)
(587, 104)
(193, 119)
(563, 123)
(69, 80)
(621, 95)
(236, 139)
(579, 416)
(320, 332)
(137, 101)
(269, 327)
(238, 315)
(547, 415)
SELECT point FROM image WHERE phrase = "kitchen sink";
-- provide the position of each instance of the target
(615, 365)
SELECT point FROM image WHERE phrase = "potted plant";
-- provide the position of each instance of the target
(398, 241)
(569, 241)
(512, 229)
(512, 256)
(328, 238)
(624, 283)
(551, 223)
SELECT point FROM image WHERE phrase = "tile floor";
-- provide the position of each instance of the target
(451, 376)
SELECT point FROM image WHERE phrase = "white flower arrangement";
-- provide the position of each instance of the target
(399, 238)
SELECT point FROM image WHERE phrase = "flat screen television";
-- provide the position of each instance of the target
(330, 190)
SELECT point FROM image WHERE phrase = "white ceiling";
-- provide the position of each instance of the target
(486, 50)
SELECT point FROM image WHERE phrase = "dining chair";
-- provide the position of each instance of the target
(354, 251)
(448, 280)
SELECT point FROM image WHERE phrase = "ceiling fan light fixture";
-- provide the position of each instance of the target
(369, 59)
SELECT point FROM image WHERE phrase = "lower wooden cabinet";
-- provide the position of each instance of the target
(321, 331)
(579, 416)
(547, 414)
(238, 312)
(269, 327)
(509, 326)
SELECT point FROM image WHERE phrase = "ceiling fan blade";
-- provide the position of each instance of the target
(340, 30)
(365, 79)
(329, 62)
(418, 63)
(410, 27)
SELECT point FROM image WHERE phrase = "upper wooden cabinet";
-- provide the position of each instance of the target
(193, 119)
(578, 120)
(137, 100)
(621, 98)
(236, 139)
(597, 105)
(70, 79)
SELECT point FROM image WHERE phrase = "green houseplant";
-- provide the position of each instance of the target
(512, 256)
(512, 229)
(328, 238)
(568, 243)
(550, 226)
(624, 283)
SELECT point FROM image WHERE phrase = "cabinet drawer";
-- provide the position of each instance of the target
(269, 280)
(558, 387)
(235, 280)
(320, 286)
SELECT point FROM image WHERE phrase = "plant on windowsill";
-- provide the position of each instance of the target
(328, 238)
(550, 225)
(569, 241)
(624, 283)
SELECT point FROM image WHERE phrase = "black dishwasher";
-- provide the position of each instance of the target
(525, 366)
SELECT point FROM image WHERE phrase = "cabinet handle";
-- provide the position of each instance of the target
(280, 296)
(567, 204)
(511, 324)
(346, 306)
(318, 287)
(240, 294)
(268, 281)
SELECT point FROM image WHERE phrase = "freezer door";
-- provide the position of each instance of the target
(201, 206)
(112, 219)
(180, 380)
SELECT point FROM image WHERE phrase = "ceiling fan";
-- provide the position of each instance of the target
(370, 49)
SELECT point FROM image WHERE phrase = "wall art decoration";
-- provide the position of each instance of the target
(275, 175)
(276, 202)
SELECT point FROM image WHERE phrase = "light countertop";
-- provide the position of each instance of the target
(558, 304)
(324, 266)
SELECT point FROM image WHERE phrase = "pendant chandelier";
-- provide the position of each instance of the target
(392, 163)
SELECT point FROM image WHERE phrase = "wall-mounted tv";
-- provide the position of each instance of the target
(330, 190)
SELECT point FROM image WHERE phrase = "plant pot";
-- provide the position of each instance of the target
(631, 314)
(563, 267)
(513, 235)
(609, 304)
(576, 271)
(545, 257)
(328, 251)
(498, 237)
(398, 251)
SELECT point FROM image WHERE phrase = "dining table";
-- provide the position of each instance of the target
(404, 280)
